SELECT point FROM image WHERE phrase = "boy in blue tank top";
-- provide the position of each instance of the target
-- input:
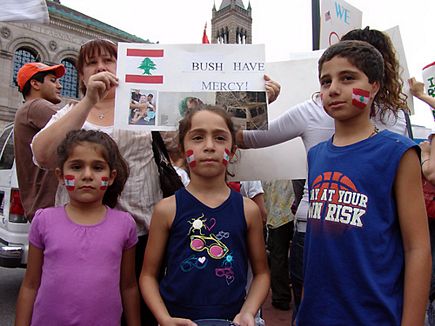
(204, 235)
(367, 255)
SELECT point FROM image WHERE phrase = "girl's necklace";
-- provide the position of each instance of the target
(101, 115)
(375, 131)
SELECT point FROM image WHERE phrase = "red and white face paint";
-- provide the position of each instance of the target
(70, 182)
(190, 158)
(104, 183)
(360, 98)
(226, 158)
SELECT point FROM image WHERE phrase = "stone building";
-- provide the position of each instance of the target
(53, 43)
(232, 23)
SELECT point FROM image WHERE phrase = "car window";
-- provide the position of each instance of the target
(6, 149)
(253, 112)
(240, 113)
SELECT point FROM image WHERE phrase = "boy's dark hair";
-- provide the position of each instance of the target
(186, 123)
(39, 76)
(362, 55)
(110, 153)
(390, 96)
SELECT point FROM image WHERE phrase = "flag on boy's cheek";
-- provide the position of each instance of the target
(226, 158)
(70, 182)
(104, 183)
(190, 158)
(360, 98)
(146, 65)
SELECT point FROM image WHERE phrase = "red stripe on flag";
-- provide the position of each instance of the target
(358, 104)
(144, 53)
(144, 79)
(359, 92)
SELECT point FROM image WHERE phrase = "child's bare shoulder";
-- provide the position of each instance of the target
(165, 209)
(166, 205)
(250, 208)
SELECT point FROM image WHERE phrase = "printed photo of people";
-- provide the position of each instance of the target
(143, 107)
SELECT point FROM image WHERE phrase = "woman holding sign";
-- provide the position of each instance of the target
(96, 66)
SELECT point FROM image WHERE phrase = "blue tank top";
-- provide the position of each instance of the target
(206, 259)
(353, 255)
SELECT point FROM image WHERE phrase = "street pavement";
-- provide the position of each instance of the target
(10, 282)
(273, 316)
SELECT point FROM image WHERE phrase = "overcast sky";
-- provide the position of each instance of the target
(284, 26)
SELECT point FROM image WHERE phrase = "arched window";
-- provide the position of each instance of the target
(21, 57)
(69, 81)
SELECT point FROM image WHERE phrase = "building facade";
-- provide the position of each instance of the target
(232, 23)
(57, 42)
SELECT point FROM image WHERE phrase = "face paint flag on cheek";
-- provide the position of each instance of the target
(226, 158)
(70, 182)
(360, 98)
(190, 158)
(104, 183)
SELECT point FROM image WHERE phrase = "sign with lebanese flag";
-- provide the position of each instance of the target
(158, 83)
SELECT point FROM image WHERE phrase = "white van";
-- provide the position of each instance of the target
(14, 227)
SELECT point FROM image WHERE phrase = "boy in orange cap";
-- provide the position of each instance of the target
(40, 87)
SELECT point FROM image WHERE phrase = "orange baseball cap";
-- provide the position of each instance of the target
(27, 71)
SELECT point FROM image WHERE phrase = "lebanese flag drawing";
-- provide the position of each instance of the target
(70, 182)
(360, 98)
(147, 65)
(104, 183)
(190, 158)
(226, 158)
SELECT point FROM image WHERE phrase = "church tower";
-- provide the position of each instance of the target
(232, 23)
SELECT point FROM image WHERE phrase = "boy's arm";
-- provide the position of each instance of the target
(161, 221)
(415, 235)
(29, 287)
(129, 289)
(257, 256)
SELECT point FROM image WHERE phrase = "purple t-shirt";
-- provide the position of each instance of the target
(81, 269)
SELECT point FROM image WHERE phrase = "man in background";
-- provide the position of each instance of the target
(40, 87)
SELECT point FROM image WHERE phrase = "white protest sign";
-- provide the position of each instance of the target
(428, 74)
(157, 83)
(337, 17)
(396, 39)
(298, 80)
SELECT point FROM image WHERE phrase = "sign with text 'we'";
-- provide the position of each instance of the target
(337, 17)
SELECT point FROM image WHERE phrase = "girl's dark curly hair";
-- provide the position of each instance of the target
(390, 96)
(110, 152)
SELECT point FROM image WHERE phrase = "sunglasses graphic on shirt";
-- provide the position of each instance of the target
(215, 248)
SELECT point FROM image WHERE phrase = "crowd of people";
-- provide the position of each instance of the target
(360, 240)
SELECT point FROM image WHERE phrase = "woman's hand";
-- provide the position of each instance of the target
(272, 89)
(99, 85)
